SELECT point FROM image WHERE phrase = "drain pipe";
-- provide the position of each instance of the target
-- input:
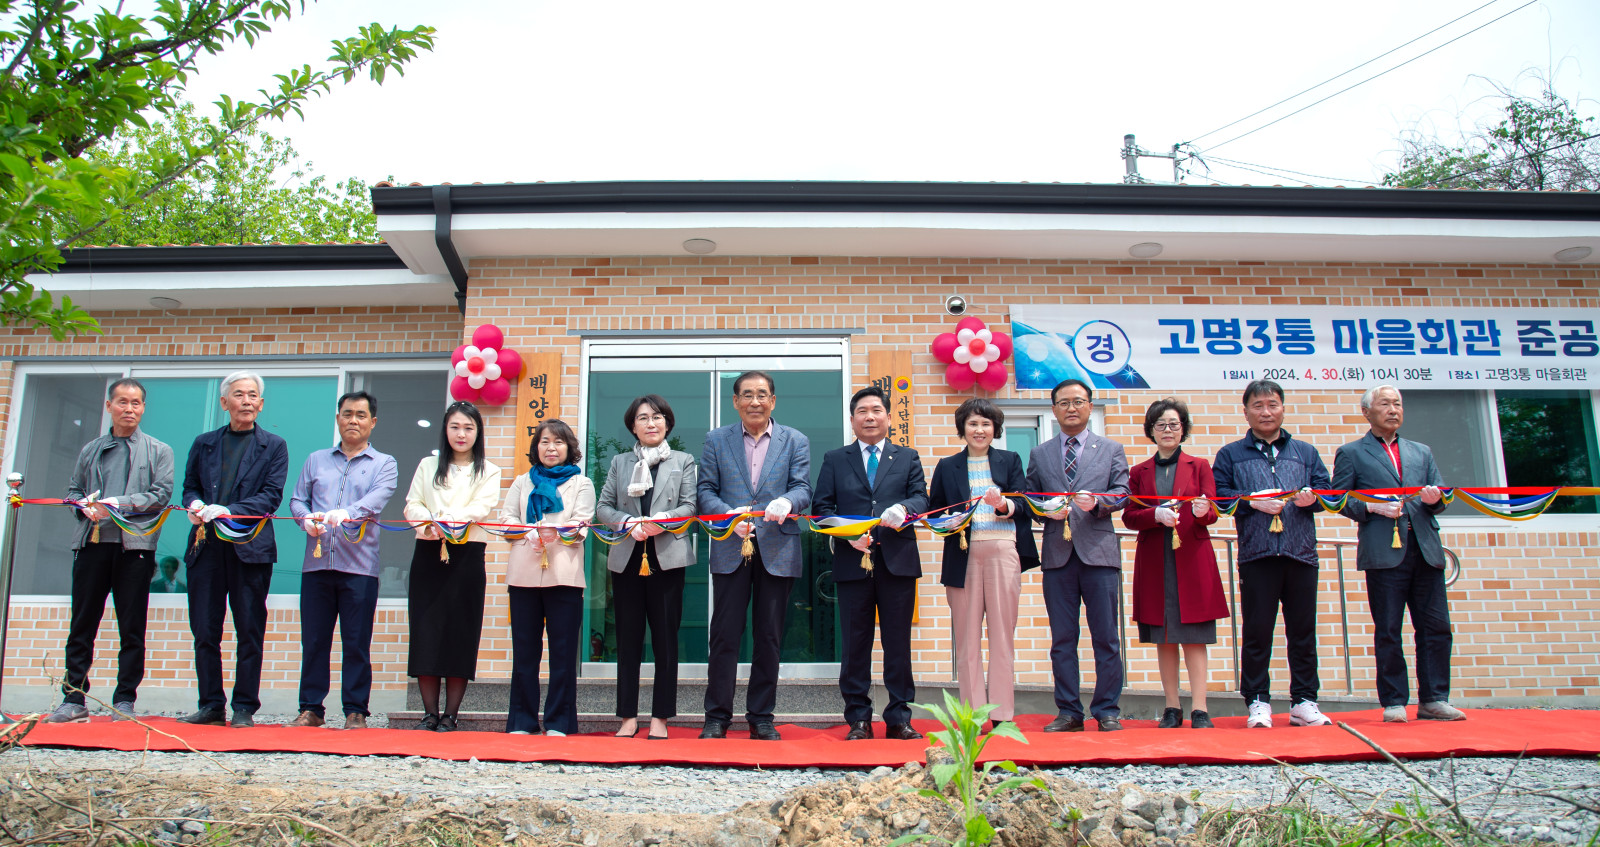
(447, 248)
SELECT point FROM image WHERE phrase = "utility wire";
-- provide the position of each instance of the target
(1375, 76)
(1344, 73)
(1493, 165)
(1249, 165)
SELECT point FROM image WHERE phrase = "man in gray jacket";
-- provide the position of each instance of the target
(130, 472)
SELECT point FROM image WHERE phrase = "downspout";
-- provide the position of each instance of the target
(447, 248)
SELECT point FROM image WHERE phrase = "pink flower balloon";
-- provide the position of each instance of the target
(510, 363)
(459, 355)
(488, 335)
(495, 392)
(1003, 343)
(460, 390)
(959, 376)
(943, 346)
(993, 377)
(969, 322)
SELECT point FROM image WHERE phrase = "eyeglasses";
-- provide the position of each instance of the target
(756, 396)
(639, 419)
(1169, 426)
(1071, 404)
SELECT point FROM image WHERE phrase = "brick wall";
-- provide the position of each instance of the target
(1526, 612)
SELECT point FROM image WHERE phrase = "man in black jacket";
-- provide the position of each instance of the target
(239, 469)
(874, 477)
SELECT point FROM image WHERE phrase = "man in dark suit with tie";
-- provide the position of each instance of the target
(743, 465)
(239, 469)
(1082, 559)
(1398, 549)
(873, 476)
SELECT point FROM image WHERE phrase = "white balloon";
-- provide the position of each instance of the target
(992, 353)
(979, 365)
(476, 380)
(965, 336)
(469, 352)
(986, 335)
(962, 355)
(489, 356)
(461, 368)
(491, 372)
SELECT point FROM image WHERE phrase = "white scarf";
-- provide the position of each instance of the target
(649, 457)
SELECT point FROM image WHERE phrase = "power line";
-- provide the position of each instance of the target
(1344, 73)
(1374, 76)
(1249, 165)
(1513, 159)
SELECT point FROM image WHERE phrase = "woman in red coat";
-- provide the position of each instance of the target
(1177, 593)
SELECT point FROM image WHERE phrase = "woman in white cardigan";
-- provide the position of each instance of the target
(650, 481)
(544, 576)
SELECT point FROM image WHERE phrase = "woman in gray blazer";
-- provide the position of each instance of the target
(647, 567)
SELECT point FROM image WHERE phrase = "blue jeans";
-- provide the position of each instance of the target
(1097, 590)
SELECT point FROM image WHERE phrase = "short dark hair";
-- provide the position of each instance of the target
(1261, 388)
(372, 402)
(125, 381)
(1161, 407)
(558, 428)
(654, 401)
(1066, 382)
(869, 391)
(983, 408)
(738, 381)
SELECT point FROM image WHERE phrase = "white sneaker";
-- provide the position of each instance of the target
(554, 733)
(1439, 710)
(1260, 716)
(1306, 713)
(518, 732)
(1394, 714)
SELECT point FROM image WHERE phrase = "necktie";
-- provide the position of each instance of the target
(1072, 463)
(872, 466)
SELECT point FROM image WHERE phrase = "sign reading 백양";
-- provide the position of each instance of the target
(1212, 347)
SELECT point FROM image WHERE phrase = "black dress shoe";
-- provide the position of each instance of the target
(902, 732)
(429, 723)
(859, 731)
(714, 730)
(1064, 723)
(242, 719)
(447, 723)
(764, 731)
(206, 717)
(1109, 724)
(1171, 719)
(1198, 719)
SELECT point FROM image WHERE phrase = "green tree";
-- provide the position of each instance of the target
(255, 189)
(1539, 143)
(73, 78)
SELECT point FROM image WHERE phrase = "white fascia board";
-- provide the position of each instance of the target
(250, 289)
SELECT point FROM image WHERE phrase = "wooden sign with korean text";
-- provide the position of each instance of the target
(538, 400)
(890, 370)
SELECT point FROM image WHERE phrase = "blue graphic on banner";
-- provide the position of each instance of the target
(1098, 353)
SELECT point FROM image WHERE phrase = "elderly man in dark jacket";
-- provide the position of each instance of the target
(1277, 553)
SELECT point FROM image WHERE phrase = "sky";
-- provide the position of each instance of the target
(910, 91)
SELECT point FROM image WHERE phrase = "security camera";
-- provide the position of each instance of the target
(955, 304)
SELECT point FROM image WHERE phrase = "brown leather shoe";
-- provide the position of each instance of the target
(308, 718)
(355, 720)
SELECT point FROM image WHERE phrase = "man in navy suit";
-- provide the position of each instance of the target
(1083, 564)
(239, 469)
(875, 477)
(754, 465)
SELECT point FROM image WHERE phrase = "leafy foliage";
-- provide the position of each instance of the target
(255, 189)
(73, 77)
(1540, 143)
(964, 737)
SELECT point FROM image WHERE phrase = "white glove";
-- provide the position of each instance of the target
(655, 528)
(893, 517)
(194, 512)
(779, 509)
(112, 501)
(427, 532)
(529, 540)
(548, 535)
(638, 532)
(1085, 501)
(1304, 498)
(1271, 507)
(1388, 510)
(743, 528)
(1200, 506)
(992, 498)
(212, 512)
(864, 543)
(310, 522)
(1166, 517)
(1055, 508)
(335, 517)
(1430, 495)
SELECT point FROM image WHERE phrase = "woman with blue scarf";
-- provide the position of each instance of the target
(544, 576)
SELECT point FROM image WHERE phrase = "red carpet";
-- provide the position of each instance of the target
(1487, 733)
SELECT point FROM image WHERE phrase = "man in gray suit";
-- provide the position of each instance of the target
(1082, 559)
(1398, 548)
(754, 465)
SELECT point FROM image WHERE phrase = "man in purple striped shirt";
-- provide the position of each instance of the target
(339, 582)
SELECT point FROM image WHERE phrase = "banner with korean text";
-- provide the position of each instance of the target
(1214, 347)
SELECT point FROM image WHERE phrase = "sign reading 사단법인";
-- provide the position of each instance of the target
(1214, 347)
(890, 370)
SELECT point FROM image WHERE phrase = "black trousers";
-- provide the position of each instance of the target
(350, 600)
(656, 600)
(99, 570)
(1418, 586)
(218, 582)
(749, 591)
(538, 614)
(889, 599)
(1097, 590)
(1264, 585)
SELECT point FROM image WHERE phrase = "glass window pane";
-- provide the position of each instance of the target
(1548, 439)
(1021, 440)
(60, 413)
(1449, 423)
(410, 406)
(175, 411)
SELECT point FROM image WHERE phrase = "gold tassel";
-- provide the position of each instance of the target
(317, 553)
(866, 560)
(199, 534)
(963, 539)
(444, 551)
(1066, 529)
(644, 560)
(94, 534)
(1395, 543)
(1277, 524)
(544, 558)
(1176, 541)
(747, 548)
